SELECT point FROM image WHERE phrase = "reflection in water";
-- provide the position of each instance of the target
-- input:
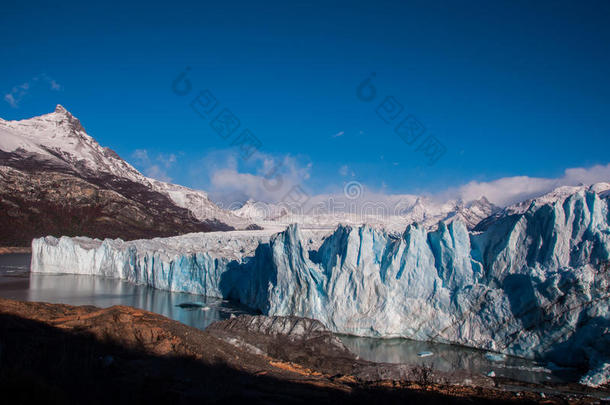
(448, 358)
(16, 282)
(105, 292)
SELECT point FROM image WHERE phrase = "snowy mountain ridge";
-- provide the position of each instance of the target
(394, 217)
(59, 139)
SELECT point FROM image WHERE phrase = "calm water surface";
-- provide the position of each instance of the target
(16, 282)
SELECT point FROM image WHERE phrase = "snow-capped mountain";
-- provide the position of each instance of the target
(471, 213)
(58, 143)
(60, 138)
(55, 147)
(199, 205)
(261, 211)
(405, 210)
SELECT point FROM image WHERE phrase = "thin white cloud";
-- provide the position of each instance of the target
(19, 92)
(155, 168)
(345, 171)
(55, 85)
(269, 178)
(167, 160)
(510, 190)
(141, 155)
(501, 192)
(338, 134)
(264, 177)
(158, 173)
(10, 98)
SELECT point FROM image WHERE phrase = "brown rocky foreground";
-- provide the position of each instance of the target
(5, 250)
(51, 353)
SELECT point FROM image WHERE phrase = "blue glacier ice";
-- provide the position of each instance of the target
(531, 281)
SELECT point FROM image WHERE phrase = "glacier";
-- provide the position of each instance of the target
(530, 281)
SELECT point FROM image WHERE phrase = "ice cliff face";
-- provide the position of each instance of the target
(532, 282)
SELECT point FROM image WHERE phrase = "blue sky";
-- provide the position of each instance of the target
(513, 88)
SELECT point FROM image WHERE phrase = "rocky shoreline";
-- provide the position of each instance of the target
(68, 354)
(7, 250)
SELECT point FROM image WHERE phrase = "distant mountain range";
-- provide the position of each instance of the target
(394, 217)
(57, 180)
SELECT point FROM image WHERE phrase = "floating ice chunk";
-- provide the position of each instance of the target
(491, 356)
(597, 376)
(425, 354)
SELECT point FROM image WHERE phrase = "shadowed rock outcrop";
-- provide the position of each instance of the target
(60, 354)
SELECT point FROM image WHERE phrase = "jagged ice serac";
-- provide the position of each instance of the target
(531, 280)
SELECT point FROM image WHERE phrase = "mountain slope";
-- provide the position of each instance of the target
(56, 179)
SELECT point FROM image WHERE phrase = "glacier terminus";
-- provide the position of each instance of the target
(531, 280)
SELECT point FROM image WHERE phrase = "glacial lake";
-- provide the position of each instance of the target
(16, 282)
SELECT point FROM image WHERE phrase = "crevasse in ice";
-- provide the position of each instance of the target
(531, 283)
